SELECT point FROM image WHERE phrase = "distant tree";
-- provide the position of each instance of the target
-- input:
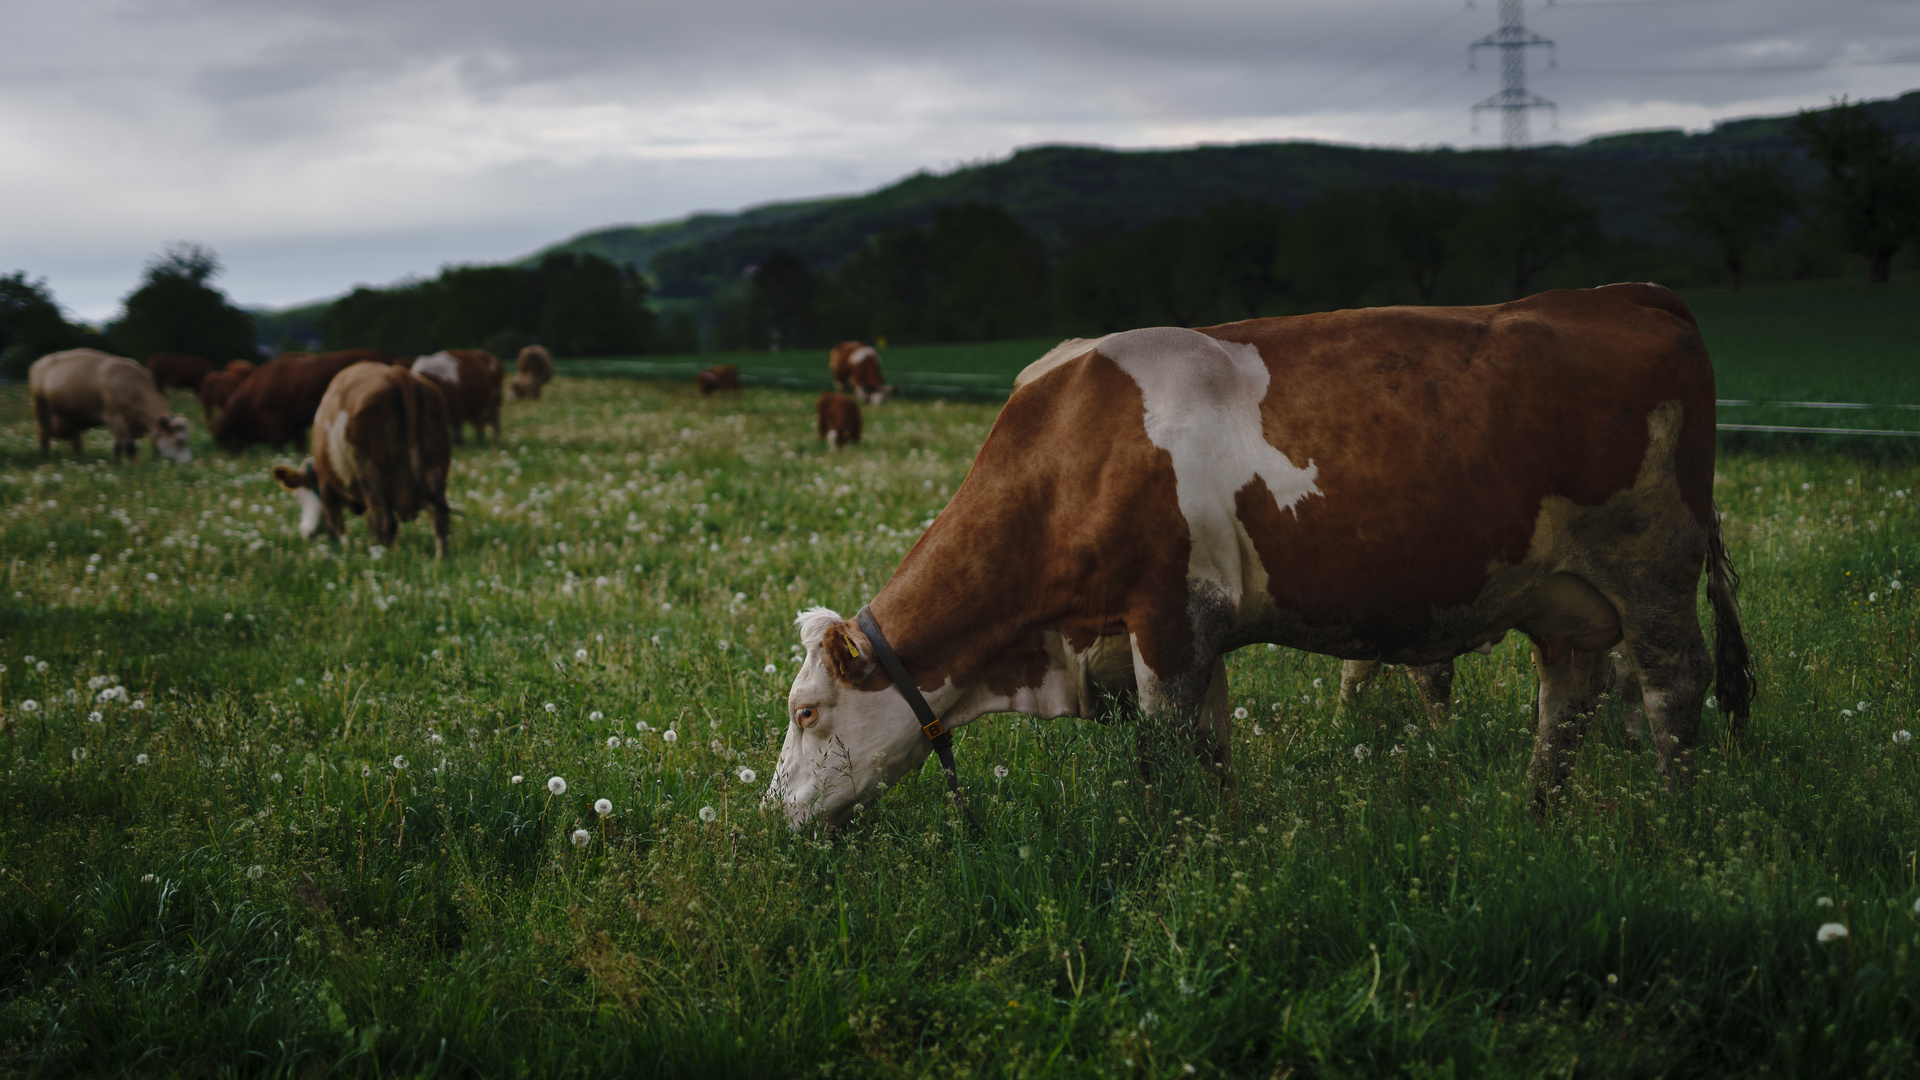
(1423, 228)
(177, 309)
(590, 307)
(783, 288)
(1873, 182)
(32, 325)
(1530, 223)
(1183, 270)
(399, 320)
(973, 273)
(476, 302)
(1237, 245)
(1333, 253)
(1736, 203)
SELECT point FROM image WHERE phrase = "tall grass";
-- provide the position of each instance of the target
(340, 853)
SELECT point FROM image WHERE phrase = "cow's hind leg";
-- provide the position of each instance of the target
(1670, 654)
(437, 506)
(1571, 683)
(1435, 683)
(1355, 675)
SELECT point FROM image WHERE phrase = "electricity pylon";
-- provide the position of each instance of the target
(1513, 39)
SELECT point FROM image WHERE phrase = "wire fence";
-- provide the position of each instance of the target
(975, 386)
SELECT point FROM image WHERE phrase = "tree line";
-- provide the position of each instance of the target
(975, 273)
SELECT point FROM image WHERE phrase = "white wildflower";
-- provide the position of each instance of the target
(141, 759)
(557, 785)
(551, 707)
(603, 807)
(747, 776)
(670, 736)
(1824, 901)
(581, 838)
(596, 716)
(255, 872)
(434, 738)
(707, 813)
(1902, 737)
(399, 762)
(1361, 751)
(769, 670)
(1832, 931)
(1240, 713)
(79, 753)
(613, 742)
(94, 717)
(276, 778)
(517, 778)
(724, 644)
(29, 705)
(579, 654)
(999, 772)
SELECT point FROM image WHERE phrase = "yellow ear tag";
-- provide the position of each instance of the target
(852, 648)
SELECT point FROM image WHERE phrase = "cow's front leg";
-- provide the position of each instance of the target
(1571, 683)
(1354, 677)
(1671, 657)
(1435, 683)
(1191, 706)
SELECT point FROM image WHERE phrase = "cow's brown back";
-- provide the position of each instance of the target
(276, 404)
(178, 369)
(717, 378)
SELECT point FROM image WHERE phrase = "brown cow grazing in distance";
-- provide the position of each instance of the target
(86, 388)
(379, 448)
(178, 369)
(470, 380)
(1403, 484)
(717, 378)
(215, 391)
(240, 367)
(838, 420)
(275, 404)
(532, 370)
(856, 370)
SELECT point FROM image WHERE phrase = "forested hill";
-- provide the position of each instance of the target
(1054, 190)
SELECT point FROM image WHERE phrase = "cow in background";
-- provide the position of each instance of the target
(178, 369)
(275, 404)
(838, 419)
(215, 391)
(532, 370)
(470, 380)
(856, 370)
(717, 378)
(380, 448)
(242, 368)
(79, 389)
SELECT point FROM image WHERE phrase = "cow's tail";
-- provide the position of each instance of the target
(1733, 673)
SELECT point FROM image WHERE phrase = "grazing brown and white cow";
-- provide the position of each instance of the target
(380, 448)
(79, 389)
(855, 367)
(838, 420)
(532, 369)
(215, 391)
(1401, 484)
(470, 380)
(178, 369)
(275, 404)
(717, 378)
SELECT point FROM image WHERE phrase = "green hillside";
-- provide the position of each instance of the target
(1054, 190)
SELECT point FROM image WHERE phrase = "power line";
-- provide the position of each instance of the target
(1363, 67)
(1754, 69)
(1513, 39)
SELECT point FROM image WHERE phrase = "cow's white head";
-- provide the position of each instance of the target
(170, 439)
(849, 732)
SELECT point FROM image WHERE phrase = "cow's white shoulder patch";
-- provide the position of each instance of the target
(441, 366)
(862, 354)
(1070, 349)
(1202, 400)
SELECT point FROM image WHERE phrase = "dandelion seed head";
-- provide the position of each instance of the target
(517, 778)
(94, 717)
(747, 776)
(557, 785)
(29, 705)
(255, 872)
(1361, 751)
(399, 762)
(579, 654)
(42, 665)
(141, 759)
(708, 813)
(1240, 713)
(276, 778)
(551, 707)
(581, 838)
(769, 670)
(434, 738)
(670, 736)
(1824, 901)
(603, 807)
(79, 753)
(613, 742)
(1832, 931)
(596, 716)
(1902, 737)
(999, 772)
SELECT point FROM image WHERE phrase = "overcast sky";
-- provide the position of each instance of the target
(321, 143)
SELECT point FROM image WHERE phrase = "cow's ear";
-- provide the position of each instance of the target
(294, 481)
(848, 656)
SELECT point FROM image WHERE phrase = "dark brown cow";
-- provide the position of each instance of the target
(80, 389)
(215, 391)
(717, 378)
(381, 449)
(838, 420)
(532, 370)
(240, 367)
(177, 369)
(470, 380)
(1399, 484)
(275, 405)
(855, 367)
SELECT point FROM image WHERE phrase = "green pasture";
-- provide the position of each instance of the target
(281, 808)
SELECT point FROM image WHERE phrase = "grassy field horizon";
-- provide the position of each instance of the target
(271, 807)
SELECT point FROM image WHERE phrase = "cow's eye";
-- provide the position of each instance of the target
(804, 716)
